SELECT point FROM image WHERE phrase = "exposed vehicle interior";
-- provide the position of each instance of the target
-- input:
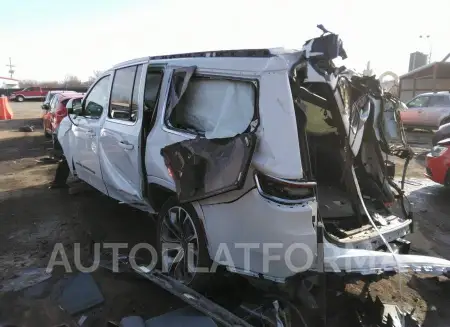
(331, 161)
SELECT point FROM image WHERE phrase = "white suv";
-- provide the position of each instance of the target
(247, 154)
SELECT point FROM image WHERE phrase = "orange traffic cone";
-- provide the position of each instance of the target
(5, 110)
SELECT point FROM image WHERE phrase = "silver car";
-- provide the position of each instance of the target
(427, 111)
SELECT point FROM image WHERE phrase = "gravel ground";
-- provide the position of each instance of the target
(33, 219)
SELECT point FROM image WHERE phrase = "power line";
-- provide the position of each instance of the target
(11, 70)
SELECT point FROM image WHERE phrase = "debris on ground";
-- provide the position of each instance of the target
(24, 279)
(80, 294)
(26, 128)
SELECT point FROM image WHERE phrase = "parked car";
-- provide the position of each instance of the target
(29, 93)
(438, 163)
(73, 105)
(442, 133)
(50, 94)
(57, 111)
(427, 111)
(218, 145)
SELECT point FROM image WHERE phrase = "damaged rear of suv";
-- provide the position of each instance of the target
(270, 163)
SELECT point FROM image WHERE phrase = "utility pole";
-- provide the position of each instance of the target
(11, 70)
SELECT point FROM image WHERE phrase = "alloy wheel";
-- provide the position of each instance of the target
(179, 245)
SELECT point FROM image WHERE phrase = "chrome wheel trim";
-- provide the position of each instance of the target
(178, 237)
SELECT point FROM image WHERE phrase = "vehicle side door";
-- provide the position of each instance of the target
(120, 142)
(438, 108)
(86, 131)
(414, 115)
(34, 92)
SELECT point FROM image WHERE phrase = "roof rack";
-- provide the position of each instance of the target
(261, 53)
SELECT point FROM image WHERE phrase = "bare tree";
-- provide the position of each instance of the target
(27, 83)
(71, 81)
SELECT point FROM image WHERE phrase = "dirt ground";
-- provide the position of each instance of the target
(34, 218)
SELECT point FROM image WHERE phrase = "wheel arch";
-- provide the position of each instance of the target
(444, 120)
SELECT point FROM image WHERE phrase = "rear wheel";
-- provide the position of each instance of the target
(47, 134)
(445, 121)
(181, 244)
(447, 179)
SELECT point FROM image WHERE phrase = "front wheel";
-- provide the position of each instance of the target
(20, 98)
(46, 134)
(181, 245)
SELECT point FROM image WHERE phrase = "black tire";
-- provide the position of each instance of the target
(447, 179)
(444, 121)
(199, 281)
(20, 98)
(46, 134)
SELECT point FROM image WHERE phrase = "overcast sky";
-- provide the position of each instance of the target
(48, 39)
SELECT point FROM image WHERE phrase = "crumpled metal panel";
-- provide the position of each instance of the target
(202, 168)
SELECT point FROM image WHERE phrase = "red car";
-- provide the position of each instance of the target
(438, 163)
(57, 111)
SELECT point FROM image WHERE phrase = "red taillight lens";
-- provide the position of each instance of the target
(284, 190)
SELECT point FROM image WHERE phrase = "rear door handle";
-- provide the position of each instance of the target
(126, 145)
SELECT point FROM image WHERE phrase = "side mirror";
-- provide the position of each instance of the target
(69, 107)
(77, 110)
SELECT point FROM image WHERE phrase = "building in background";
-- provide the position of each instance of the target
(8, 83)
(416, 60)
(433, 77)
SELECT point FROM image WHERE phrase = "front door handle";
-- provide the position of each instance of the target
(90, 133)
(126, 145)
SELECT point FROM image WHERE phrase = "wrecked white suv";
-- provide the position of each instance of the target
(247, 155)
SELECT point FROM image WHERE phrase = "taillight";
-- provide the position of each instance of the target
(284, 191)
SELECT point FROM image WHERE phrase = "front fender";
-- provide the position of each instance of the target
(65, 138)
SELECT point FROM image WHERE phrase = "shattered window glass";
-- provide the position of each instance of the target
(215, 108)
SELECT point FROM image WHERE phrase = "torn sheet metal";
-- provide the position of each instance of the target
(203, 168)
(367, 262)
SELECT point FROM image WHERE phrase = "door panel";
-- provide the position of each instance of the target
(86, 156)
(414, 115)
(431, 115)
(86, 133)
(204, 167)
(120, 144)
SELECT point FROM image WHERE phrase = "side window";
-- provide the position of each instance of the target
(53, 103)
(440, 101)
(32, 89)
(153, 81)
(76, 103)
(419, 102)
(215, 108)
(97, 99)
(124, 94)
